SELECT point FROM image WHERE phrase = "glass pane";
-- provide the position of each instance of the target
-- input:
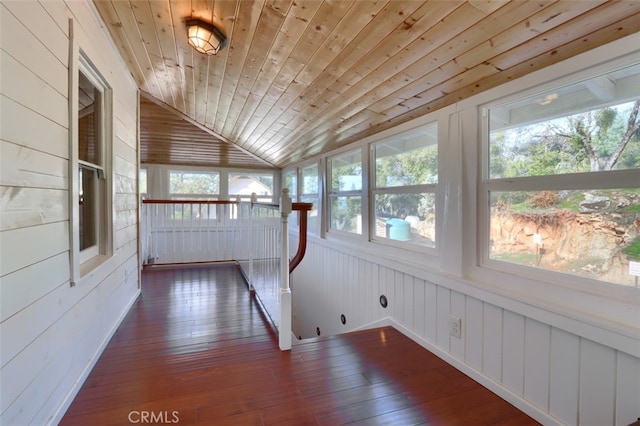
(194, 183)
(587, 233)
(346, 214)
(346, 172)
(88, 120)
(88, 207)
(310, 179)
(406, 217)
(245, 184)
(408, 161)
(312, 215)
(589, 126)
(291, 183)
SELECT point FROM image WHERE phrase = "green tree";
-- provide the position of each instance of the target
(603, 134)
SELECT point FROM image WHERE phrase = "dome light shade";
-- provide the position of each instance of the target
(204, 37)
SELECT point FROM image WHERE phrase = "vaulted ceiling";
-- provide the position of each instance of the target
(301, 77)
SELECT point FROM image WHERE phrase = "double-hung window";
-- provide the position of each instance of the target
(405, 175)
(561, 184)
(90, 163)
(345, 192)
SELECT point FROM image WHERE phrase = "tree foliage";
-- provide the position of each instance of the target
(601, 139)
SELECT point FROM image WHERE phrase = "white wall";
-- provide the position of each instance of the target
(565, 355)
(52, 333)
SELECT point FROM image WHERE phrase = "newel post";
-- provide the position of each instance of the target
(254, 199)
(285, 290)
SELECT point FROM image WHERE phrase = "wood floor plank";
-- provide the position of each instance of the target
(198, 346)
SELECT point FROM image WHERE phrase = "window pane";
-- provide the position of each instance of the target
(346, 214)
(194, 183)
(291, 183)
(88, 207)
(586, 233)
(312, 215)
(244, 184)
(406, 217)
(346, 172)
(310, 179)
(589, 126)
(88, 121)
(411, 160)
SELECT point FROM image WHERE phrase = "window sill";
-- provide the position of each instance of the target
(92, 264)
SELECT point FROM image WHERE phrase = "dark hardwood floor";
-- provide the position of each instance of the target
(196, 349)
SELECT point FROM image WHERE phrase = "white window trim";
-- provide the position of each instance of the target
(81, 263)
(362, 193)
(430, 188)
(611, 307)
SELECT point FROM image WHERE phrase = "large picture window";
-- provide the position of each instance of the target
(562, 179)
(345, 192)
(406, 174)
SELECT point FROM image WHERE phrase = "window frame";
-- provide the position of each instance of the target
(313, 227)
(429, 188)
(530, 280)
(332, 194)
(83, 261)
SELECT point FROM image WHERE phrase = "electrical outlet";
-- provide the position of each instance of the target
(455, 326)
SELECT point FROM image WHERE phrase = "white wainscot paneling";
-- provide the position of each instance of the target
(564, 376)
(597, 384)
(473, 325)
(627, 389)
(443, 297)
(513, 352)
(492, 342)
(419, 310)
(430, 311)
(536, 366)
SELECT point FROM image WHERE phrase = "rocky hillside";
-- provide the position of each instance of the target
(592, 240)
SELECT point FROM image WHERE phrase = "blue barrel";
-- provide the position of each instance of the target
(398, 229)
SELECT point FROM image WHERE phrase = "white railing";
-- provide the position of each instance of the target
(249, 233)
(184, 231)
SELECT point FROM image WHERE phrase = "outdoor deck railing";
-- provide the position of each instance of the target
(249, 233)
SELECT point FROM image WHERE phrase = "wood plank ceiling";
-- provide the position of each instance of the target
(166, 137)
(301, 77)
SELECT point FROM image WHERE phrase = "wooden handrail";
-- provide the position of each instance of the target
(302, 226)
(223, 202)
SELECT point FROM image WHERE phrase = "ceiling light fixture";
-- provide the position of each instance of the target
(204, 37)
